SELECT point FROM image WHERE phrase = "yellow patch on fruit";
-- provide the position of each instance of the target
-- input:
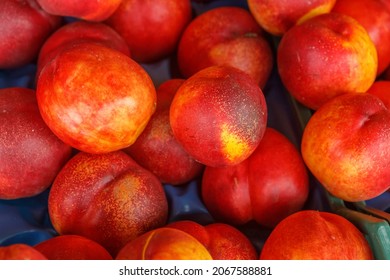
(322, 9)
(232, 145)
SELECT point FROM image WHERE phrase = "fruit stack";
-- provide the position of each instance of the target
(178, 129)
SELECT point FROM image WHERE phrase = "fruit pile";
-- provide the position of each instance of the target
(179, 129)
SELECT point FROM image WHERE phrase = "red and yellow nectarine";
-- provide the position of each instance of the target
(346, 146)
(95, 98)
(219, 115)
(315, 235)
(76, 32)
(108, 198)
(326, 56)
(223, 241)
(164, 244)
(278, 16)
(375, 18)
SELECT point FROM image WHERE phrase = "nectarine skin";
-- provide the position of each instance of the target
(346, 146)
(157, 149)
(213, 38)
(326, 56)
(381, 89)
(72, 247)
(315, 235)
(108, 198)
(151, 28)
(20, 251)
(24, 29)
(375, 18)
(164, 244)
(91, 10)
(219, 115)
(223, 241)
(30, 154)
(278, 16)
(95, 98)
(267, 187)
(80, 31)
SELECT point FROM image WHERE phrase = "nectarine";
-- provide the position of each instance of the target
(95, 98)
(92, 10)
(219, 115)
(375, 18)
(326, 56)
(20, 251)
(269, 185)
(223, 241)
(72, 247)
(315, 235)
(108, 198)
(24, 29)
(213, 38)
(278, 16)
(30, 154)
(164, 244)
(346, 146)
(151, 28)
(76, 32)
(157, 149)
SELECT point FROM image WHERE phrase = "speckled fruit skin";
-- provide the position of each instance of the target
(267, 187)
(108, 198)
(375, 18)
(151, 28)
(164, 244)
(346, 146)
(213, 38)
(95, 98)
(91, 10)
(223, 241)
(326, 56)
(157, 149)
(219, 115)
(76, 32)
(20, 252)
(315, 235)
(381, 89)
(278, 16)
(72, 247)
(30, 154)
(24, 28)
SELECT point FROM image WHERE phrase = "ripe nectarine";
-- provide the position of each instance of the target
(219, 115)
